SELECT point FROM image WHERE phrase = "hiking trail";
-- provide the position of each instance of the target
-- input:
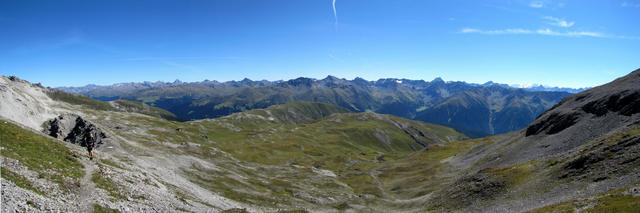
(87, 195)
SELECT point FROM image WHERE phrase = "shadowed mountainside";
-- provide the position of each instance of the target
(490, 110)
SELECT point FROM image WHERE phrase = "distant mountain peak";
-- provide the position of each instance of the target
(541, 87)
(331, 77)
(302, 81)
(360, 81)
(489, 83)
(437, 79)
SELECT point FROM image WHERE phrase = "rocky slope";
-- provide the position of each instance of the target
(41, 174)
(584, 148)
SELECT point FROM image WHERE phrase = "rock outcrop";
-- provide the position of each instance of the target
(74, 129)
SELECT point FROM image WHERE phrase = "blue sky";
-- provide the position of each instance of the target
(562, 43)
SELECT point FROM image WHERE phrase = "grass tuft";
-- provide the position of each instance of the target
(608, 202)
(101, 209)
(235, 210)
(112, 164)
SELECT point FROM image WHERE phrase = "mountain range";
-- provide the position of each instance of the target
(476, 110)
(582, 153)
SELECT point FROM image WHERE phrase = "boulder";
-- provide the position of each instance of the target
(74, 129)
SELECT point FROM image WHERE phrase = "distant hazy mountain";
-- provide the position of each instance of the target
(401, 97)
(537, 87)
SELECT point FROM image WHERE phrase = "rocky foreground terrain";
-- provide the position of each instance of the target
(582, 154)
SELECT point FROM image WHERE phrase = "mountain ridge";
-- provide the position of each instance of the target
(412, 99)
(531, 87)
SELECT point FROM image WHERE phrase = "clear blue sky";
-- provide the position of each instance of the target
(563, 43)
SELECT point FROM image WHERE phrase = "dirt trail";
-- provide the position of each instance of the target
(87, 195)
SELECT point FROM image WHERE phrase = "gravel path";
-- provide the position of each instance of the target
(87, 195)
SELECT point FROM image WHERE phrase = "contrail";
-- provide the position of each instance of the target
(335, 14)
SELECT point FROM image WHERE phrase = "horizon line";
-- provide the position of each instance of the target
(512, 85)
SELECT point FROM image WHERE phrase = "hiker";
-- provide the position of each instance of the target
(90, 144)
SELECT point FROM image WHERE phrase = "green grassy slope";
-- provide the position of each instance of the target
(353, 146)
(287, 158)
(48, 157)
(299, 111)
(79, 100)
(337, 137)
(612, 201)
(120, 105)
(139, 107)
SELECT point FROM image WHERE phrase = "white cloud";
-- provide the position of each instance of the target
(629, 4)
(570, 33)
(496, 32)
(558, 21)
(469, 30)
(335, 13)
(536, 4)
(173, 58)
(546, 32)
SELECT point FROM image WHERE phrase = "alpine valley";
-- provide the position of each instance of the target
(330, 145)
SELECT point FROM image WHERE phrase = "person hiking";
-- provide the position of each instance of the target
(91, 142)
